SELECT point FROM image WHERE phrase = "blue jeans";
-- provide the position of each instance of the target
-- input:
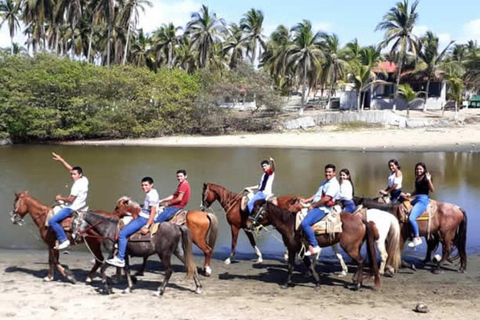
(348, 206)
(420, 204)
(54, 223)
(167, 213)
(395, 194)
(313, 216)
(258, 196)
(126, 232)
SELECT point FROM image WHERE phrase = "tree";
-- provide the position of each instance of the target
(165, 41)
(455, 90)
(304, 54)
(205, 29)
(427, 50)
(10, 11)
(235, 45)
(252, 25)
(130, 14)
(398, 25)
(406, 92)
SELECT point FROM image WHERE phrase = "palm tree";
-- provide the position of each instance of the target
(205, 29)
(427, 50)
(141, 55)
(252, 25)
(36, 13)
(333, 64)
(304, 54)
(130, 15)
(398, 24)
(455, 90)
(186, 55)
(406, 92)
(105, 9)
(10, 11)
(234, 45)
(165, 41)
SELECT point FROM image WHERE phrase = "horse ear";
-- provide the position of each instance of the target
(27, 193)
(204, 186)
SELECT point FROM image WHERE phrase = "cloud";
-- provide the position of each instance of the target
(164, 12)
(420, 31)
(322, 26)
(471, 31)
(19, 38)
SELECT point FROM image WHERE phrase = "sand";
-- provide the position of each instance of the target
(242, 290)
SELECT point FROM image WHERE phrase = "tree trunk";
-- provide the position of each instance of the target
(398, 82)
(90, 44)
(304, 85)
(426, 95)
(128, 39)
(359, 99)
(57, 35)
(72, 40)
(108, 42)
(11, 48)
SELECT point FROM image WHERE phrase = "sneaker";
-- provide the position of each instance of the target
(116, 261)
(416, 242)
(312, 251)
(64, 245)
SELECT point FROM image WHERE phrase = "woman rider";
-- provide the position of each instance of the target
(394, 187)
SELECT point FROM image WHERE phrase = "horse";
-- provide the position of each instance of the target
(204, 229)
(236, 218)
(25, 204)
(355, 231)
(169, 239)
(448, 226)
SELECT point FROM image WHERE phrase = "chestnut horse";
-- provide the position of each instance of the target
(237, 219)
(447, 226)
(355, 231)
(203, 228)
(25, 204)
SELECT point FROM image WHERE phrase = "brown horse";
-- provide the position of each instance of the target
(237, 219)
(355, 231)
(203, 228)
(25, 204)
(448, 226)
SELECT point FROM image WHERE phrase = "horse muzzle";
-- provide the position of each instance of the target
(16, 218)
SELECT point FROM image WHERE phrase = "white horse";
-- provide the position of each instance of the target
(388, 243)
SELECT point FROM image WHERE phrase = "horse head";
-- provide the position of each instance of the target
(20, 207)
(125, 206)
(258, 216)
(208, 196)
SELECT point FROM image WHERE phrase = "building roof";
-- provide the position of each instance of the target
(386, 66)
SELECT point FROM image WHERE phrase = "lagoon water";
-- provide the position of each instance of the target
(117, 171)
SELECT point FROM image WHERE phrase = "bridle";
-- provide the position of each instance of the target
(15, 216)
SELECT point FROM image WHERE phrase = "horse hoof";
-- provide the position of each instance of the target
(285, 257)
(158, 294)
(139, 274)
(259, 260)
(208, 272)
(437, 271)
(341, 274)
(388, 274)
(317, 288)
(198, 291)
(128, 290)
(88, 280)
(286, 286)
(72, 280)
(413, 267)
(228, 261)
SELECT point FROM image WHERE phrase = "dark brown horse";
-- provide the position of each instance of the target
(355, 231)
(448, 226)
(203, 228)
(237, 218)
(25, 204)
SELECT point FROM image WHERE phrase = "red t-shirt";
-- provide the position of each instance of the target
(185, 188)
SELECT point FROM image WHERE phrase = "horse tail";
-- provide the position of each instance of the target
(461, 241)
(370, 235)
(212, 231)
(188, 252)
(393, 244)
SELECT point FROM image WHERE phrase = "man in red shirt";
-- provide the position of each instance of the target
(176, 201)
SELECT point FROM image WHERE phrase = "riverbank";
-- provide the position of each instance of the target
(464, 138)
(242, 290)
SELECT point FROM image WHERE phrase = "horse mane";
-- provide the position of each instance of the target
(283, 215)
(33, 200)
(130, 202)
(104, 216)
(374, 204)
(225, 194)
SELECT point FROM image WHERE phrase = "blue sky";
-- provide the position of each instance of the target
(450, 20)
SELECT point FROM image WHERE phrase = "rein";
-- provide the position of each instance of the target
(90, 227)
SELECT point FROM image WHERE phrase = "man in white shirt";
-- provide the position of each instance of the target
(143, 221)
(75, 201)
(265, 185)
(321, 204)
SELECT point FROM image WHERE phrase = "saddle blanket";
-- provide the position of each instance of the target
(428, 213)
(330, 224)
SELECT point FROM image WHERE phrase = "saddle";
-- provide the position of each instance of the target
(330, 224)
(179, 218)
(69, 224)
(248, 197)
(429, 213)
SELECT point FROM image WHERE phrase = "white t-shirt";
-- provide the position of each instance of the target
(80, 191)
(329, 188)
(151, 200)
(266, 182)
(346, 190)
(393, 179)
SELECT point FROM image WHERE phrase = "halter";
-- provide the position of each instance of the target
(15, 216)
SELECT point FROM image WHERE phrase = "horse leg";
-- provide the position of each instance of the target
(106, 289)
(235, 231)
(291, 262)
(127, 275)
(344, 271)
(198, 284)
(165, 258)
(432, 243)
(253, 243)
(97, 253)
(446, 250)
(141, 272)
(383, 255)
(358, 276)
(51, 265)
(66, 273)
(207, 252)
(311, 266)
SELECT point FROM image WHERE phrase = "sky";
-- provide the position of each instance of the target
(451, 20)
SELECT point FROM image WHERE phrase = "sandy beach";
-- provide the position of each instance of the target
(463, 136)
(242, 290)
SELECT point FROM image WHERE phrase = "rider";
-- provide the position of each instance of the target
(423, 185)
(321, 204)
(143, 221)
(75, 201)
(346, 191)
(265, 185)
(176, 201)
(394, 187)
